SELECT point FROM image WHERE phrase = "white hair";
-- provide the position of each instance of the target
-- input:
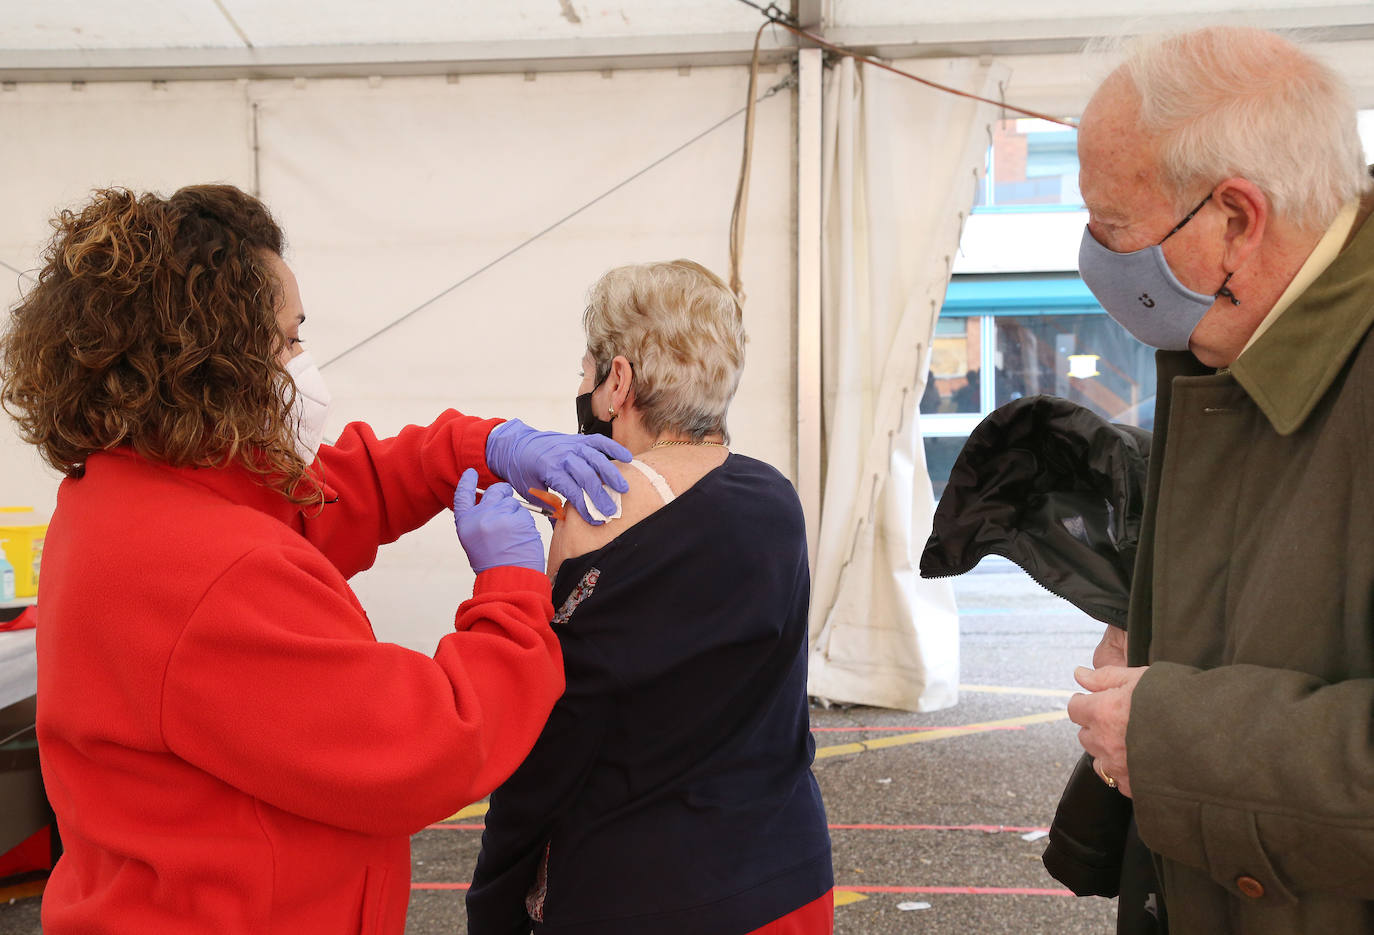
(1230, 101)
(682, 330)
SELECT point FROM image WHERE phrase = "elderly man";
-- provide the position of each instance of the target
(1228, 199)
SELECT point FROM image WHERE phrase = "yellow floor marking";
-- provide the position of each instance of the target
(471, 811)
(1006, 690)
(845, 897)
(477, 809)
(941, 733)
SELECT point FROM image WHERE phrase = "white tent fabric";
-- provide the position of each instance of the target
(893, 209)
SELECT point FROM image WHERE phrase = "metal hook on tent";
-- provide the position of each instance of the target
(775, 12)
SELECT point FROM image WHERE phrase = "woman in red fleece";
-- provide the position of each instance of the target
(227, 747)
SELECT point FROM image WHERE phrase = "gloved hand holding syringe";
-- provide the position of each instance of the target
(494, 532)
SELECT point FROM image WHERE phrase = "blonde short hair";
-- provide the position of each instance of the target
(1229, 101)
(682, 330)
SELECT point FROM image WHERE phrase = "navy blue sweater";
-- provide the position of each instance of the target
(671, 788)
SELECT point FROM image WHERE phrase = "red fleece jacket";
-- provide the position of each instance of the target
(226, 745)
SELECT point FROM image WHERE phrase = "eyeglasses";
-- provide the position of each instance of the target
(1179, 225)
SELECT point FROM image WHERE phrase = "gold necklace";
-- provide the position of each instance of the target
(665, 444)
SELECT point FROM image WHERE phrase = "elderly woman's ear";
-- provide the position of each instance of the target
(620, 383)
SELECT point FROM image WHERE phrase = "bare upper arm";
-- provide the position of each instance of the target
(575, 536)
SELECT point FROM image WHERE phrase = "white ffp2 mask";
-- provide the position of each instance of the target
(311, 407)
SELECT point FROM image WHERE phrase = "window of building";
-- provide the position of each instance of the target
(1000, 338)
(1031, 165)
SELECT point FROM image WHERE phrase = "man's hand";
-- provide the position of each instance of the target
(1102, 716)
(1112, 650)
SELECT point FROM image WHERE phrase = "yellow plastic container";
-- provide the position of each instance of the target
(22, 532)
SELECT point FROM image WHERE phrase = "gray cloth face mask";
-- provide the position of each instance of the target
(1141, 292)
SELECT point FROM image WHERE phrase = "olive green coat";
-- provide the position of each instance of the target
(1251, 737)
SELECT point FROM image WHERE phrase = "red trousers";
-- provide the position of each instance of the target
(815, 918)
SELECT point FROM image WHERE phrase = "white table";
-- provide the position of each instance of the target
(23, 806)
(18, 666)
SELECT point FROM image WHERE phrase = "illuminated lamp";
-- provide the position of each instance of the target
(1082, 366)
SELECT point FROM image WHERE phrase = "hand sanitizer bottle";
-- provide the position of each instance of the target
(6, 577)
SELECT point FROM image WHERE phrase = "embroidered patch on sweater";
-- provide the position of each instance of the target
(579, 594)
(539, 890)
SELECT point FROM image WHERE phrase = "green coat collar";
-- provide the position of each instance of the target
(1288, 370)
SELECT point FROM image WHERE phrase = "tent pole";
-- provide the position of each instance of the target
(808, 325)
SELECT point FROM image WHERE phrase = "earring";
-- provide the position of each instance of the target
(610, 411)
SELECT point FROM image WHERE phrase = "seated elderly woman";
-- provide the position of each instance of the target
(671, 790)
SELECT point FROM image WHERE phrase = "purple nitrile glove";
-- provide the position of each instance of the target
(568, 464)
(498, 531)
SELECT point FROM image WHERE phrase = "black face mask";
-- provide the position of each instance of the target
(587, 422)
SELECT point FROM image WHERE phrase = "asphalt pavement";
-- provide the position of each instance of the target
(938, 827)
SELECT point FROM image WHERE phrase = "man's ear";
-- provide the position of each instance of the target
(1247, 218)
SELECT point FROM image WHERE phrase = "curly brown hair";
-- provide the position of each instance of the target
(153, 324)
